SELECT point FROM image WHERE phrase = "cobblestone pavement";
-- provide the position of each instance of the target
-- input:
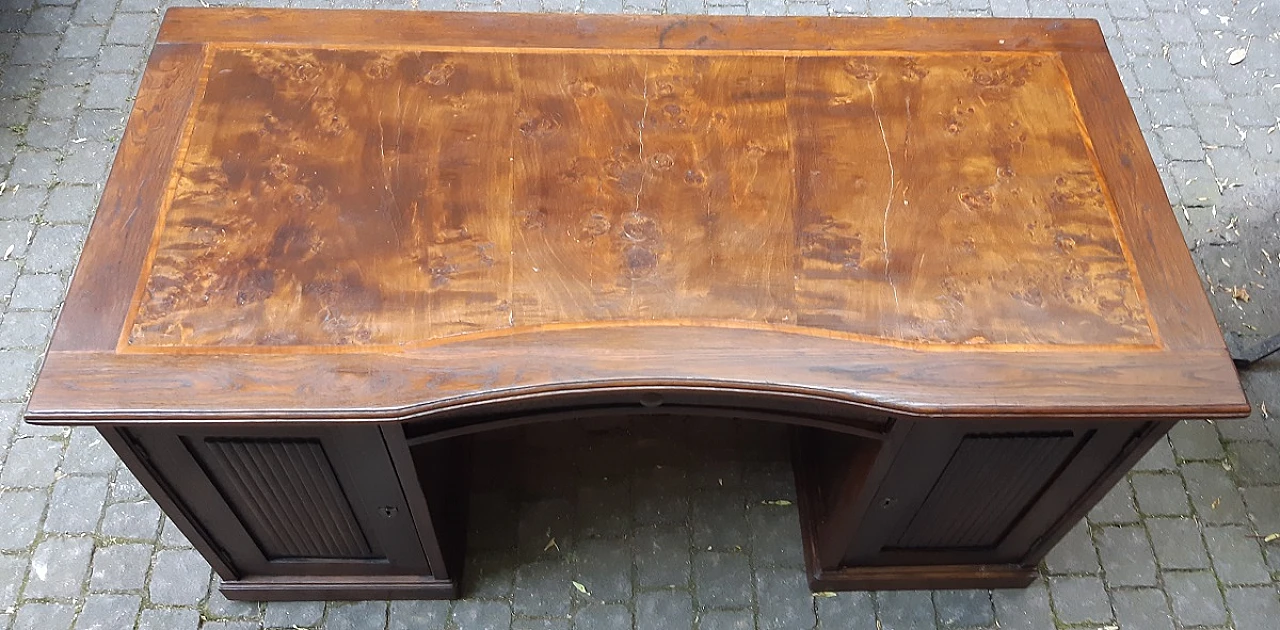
(653, 539)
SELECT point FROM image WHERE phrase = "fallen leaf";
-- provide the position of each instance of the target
(581, 589)
(1237, 55)
(824, 594)
(1262, 407)
(782, 502)
(1215, 504)
(1240, 293)
(551, 544)
(1270, 538)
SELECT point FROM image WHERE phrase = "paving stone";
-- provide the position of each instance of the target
(969, 608)
(723, 580)
(55, 248)
(1177, 543)
(178, 577)
(171, 536)
(14, 236)
(47, 21)
(1214, 494)
(108, 612)
(17, 367)
(1080, 600)
(603, 565)
(1236, 556)
(26, 329)
(1160, 495)
(1116, 506)
(136, 520)
(491, 574)
(1160, 457)
(603, 617)
(726, 620)
(76, 504)
(355, 615)
(1127, 558)
(229, 625)
(1255, 463)
(31, 462)
(132, 28)
(169, 619)
(290, 614)
(126, 487)
(719, 522)
(1074, 553)
(604, 509)
(1195, 598)
(418, 615)
(1024, 608)
(662, 557)
(664, 610)
(905, 610)
(775, 535)
(539, 522)
(121, 59)
(44, 616)
(22, 203)
(37, 291)
(20, 512)
(58, 568)
(661, 497)
(480, 614)
(1193, 439)
(783, 600)
(88, 453)
(846, 610)
(13, 569)
(88, 163)
(1141, 609)
(93, 11)
(543, 589)
(1253, 608)
(120, 567)
(71, 204)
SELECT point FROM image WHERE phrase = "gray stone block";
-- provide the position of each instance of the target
(20, 513)
(775, 535)
(169, 619)
(783, 600)
(1075, 553)
(970, 608)
(26, 329)
(290, 614)
(664, 610)
(905, 610)
(1160, 495)
(59, 567)
(55, 248)
(71, 204)
(723, 580)
(120, 567)
(108, 612)
(135, 520)
(1195, 440)
(76, 504)
(543, 589)
(662, 557)
(1144, 609)
(1177, 543)
(1253, 608)
(604, 566)
(44, 616)
(726, 620)
(12, 571)
(1255, 463)
(1236, 556)
(1126, 556)
(480, 614)
(418, 615)
(1080, 600)
(1023, 609)
(31, 462)
(1195, 598)
(178, 577)
(17, 372)
(1116, 506)
(355, 615)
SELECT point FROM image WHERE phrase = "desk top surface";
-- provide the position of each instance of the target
(571, 201)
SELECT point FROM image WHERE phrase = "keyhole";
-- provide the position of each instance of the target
(388, 510)
(887, 502)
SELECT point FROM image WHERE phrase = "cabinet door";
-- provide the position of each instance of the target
(298, 501)
(977, 495)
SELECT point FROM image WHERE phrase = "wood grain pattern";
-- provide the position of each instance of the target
(494, 192)
(382, 198)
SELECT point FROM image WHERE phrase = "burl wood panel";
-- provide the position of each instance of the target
(386, 197)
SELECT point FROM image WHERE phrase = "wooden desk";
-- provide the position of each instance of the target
(336, 242)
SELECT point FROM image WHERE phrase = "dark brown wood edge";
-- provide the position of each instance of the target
(884, 578)
(164, 496)
(477, 30)
(1133, 452)
(1175, 297)
(407, 473)
(98, 302)
(278, 588)
(85, 388)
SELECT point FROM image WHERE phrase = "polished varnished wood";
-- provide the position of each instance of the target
(334, 244)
